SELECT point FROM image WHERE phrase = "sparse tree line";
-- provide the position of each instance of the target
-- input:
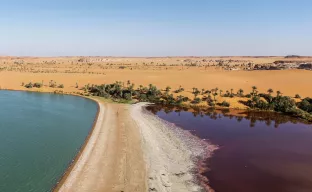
(127, 91)
(52, 84)
(258, 101)
(280, 103)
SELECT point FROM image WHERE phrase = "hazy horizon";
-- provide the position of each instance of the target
(173, 56)
(161, 28)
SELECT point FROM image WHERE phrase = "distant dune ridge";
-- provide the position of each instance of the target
(226, 73)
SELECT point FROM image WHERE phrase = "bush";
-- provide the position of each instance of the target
(52, 84)
(127, 96)
(297, 96)
(283, 104)
(305, 105)
(38, 85)
(29, 85)
(142, 97)
(196, 100)
(225, 104)
(61, 86)
(211, 103)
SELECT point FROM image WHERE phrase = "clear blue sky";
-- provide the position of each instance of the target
(155, 27)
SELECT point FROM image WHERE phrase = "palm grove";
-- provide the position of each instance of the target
(125, 92)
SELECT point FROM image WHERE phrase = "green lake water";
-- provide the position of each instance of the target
(40, 134)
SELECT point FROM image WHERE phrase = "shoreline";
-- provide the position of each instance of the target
(74, 161)
(172, 155)
(111, 158)
(65, 182)
(81, 150)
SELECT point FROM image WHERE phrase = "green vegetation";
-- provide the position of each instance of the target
(52, 84)
(283, 104)
(225, 104)
(306, 105)
(31, 85)
(119, 92)
(28, 85)
(39, 85)
(60, 86)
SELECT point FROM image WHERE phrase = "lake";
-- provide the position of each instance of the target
(258, 151)
(40, 134)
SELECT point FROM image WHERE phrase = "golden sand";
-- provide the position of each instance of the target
(162, 72)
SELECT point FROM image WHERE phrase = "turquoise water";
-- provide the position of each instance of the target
(40, 134)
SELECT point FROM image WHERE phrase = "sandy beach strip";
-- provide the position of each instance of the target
(171, 154)
(112, 159)
(132, 150)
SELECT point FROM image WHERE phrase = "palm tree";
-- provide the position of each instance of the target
(209, 92)
(180, 98)
(227, 93)
(196, 92)
(214, 96)
(254, 88)
(167, 90)
(150, 86)
(203, 90)
(278, 93)
(216, 89)
(241, 92)
(194, 88)
(270, 91)
(131, 89)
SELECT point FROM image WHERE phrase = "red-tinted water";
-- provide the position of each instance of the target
(261, 152)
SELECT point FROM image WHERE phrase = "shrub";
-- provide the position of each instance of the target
(283, 104)
(61, 86)
(52, 84)
(305, 105)
(142, 97)
(225, 104)
(29, 85)
(211, 103)
(38, 85)
(127, 96)
(297, 96)
(196, 100)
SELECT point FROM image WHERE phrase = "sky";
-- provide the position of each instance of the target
(155, 27)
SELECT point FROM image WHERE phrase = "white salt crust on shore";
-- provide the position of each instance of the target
(170, 153)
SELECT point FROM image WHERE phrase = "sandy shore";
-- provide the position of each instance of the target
(132, 150)
(170, 153)
(112, 159)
